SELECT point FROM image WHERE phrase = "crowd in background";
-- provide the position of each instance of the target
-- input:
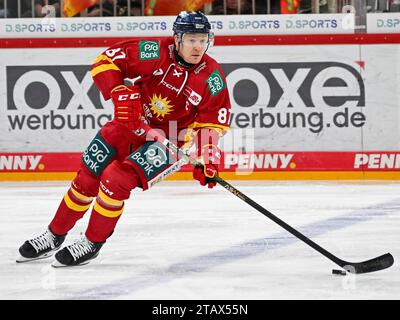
(40, 8)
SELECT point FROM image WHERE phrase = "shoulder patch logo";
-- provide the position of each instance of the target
(149, 50)
(215, 83)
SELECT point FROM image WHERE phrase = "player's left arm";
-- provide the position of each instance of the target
(211, 123)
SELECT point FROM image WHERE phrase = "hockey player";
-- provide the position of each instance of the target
(179, 86)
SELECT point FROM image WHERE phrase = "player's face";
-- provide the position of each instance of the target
(192, 47)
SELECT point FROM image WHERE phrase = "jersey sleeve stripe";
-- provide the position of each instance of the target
(191, 132)
(219, 128)
(103, 68)
(103, 57)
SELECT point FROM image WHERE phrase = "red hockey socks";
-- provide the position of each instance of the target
(117, 181)
(71, 209)
(105, 215)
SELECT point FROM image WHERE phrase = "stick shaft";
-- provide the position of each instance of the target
(375, 264)
(280, 222)
(249, 201)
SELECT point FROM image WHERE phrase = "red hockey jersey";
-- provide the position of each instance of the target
(194, 98)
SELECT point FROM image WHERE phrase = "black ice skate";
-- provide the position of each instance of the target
(40, 247)
(81, 252)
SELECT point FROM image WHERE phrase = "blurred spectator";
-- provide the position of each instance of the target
(12, 8)
(232, 7)
(275, 6)
(263, 8)
(306, 7)
(246, 7)
(40, 9)
(290, 6)
(323, 6)
(335, 6)
(47, 8)
(4, 13)
(121, 8)
(107, 7)
(395, 5)
(383, 5)
(136, 8)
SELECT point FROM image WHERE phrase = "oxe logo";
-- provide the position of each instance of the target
(289, 95)
(53, 98)
(149, 50)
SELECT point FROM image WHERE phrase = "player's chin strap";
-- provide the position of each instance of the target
(375, 264)
(182, 61)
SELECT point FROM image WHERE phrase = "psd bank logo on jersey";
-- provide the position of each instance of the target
(215, 83)
(149, 50)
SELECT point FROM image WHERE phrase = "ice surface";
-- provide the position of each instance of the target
(182, 241)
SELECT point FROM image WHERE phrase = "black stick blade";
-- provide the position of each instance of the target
(375, 264)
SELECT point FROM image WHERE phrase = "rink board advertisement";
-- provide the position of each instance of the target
(241, 163)
(162, 26)
(383, 22)
(295, 109)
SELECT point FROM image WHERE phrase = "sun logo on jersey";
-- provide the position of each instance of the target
(160, 106)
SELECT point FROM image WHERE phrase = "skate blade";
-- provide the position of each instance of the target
(22, 259)
(57, 264)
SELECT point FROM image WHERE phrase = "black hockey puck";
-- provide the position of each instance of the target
(339, 272)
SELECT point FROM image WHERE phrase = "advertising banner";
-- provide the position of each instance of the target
(294, 108)
(297, 164)
(383, 22)
(162, 26)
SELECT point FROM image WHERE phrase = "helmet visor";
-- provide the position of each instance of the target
(196, 40)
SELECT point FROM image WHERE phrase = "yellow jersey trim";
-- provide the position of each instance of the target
(103, 68)
(218, 127)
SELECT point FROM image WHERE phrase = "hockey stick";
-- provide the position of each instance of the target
(379, 263)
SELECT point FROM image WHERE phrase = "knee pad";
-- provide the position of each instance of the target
(86, 182)
(117, 180)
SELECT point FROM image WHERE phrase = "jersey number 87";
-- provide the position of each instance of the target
(223, 115)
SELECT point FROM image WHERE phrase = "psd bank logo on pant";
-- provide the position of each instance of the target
(97, 155)
(152, 158)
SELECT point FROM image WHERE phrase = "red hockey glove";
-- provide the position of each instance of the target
(206, 173)
(127, 106)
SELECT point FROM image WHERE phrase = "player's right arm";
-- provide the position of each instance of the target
(113, 65)
(109, 71)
